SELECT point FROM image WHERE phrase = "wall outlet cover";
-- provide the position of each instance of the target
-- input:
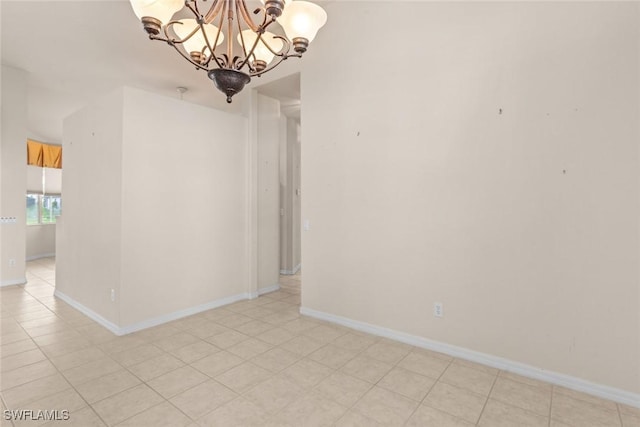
(438, 309)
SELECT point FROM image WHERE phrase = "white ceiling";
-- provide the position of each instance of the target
(287, 91)
(76, 51)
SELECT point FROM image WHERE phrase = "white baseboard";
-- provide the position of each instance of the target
(13, 282)
(149, 323)
(603, 391)
(88, 312)
(291, 272)
(269, 289)
(181, 313)
(35, 257)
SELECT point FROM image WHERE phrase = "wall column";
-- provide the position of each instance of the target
(13, 178)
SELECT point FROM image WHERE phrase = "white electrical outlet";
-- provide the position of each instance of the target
(113, 295)
(12, 262)
(437, 309)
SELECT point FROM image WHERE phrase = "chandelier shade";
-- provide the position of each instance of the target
(162, 10)
(226, 40)
(266, 48)
(196, 43)
(302, 19)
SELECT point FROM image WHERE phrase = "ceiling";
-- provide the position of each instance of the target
(287, 91)
(77, 51)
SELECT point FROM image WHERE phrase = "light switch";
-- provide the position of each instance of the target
(306, 225)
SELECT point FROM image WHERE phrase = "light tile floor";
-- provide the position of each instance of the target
(256, 363)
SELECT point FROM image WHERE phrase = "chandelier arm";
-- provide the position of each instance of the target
(168, 39)
(159, 38)
(173, 42)
(253, 48)
(176, 41)
(246, 58)
(211, 49)
(198, 66)
(275, 64)
(263, 27)
(213, 11)
(242, 43)
(237, 61)
(282, 55)
(286, 44)
(260, 32)
(213, 52)
(246, 16)
(192, 5)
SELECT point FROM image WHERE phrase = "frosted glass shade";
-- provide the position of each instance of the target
(162, 10)
(302, 19)
(197, 42)
(261, 52)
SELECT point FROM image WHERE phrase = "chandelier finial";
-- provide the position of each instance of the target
(229, 81)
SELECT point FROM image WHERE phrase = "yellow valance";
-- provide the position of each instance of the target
(44, 155)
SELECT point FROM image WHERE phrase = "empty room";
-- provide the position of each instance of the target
(320, 213)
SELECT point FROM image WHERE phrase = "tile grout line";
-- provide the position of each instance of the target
(209, 378)
(551, 404)
(71, 386)
(211, 411)
(4, 403)
(373, 385)
(428, 391)
(487, 399)
(306, 357)
(146, 382)
(238, 395)
(275, 322)
(432, 387)
(619, 414)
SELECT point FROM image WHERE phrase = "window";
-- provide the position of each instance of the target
(33, 213)
(43, 209)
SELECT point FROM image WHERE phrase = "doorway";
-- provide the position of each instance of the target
(286, 93)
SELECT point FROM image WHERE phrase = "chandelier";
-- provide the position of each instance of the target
(226, 41)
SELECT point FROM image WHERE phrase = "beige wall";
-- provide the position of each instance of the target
(268, 191)
(89, 231)
(40, 241)
(160, 219)
(13, 175)
(293, 136)
(289, 198)
(491, 164)
(283, 166)
(172, 236)
(183, 206)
